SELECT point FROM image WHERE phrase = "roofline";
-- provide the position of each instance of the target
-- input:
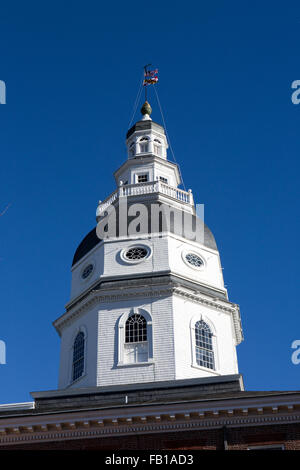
(17, 406)
(146, 124)
(167, 384)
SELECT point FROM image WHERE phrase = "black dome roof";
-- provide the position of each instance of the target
(91, 239)
(87, 244)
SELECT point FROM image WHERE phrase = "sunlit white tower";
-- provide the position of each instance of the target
(148, 303)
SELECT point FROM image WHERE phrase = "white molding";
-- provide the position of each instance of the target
(140, 292)
(28, 431)
(136, 364)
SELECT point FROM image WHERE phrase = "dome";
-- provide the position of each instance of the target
(91, 239)
(87, 244)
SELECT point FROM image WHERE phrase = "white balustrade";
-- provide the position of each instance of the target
(146, 188)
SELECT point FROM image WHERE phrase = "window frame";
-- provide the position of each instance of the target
(79, 330)
(163, 179)
(194, 320)
(186, 252)
(86, 265)
(139, 260)
(157, 147)
(140, 175)
(206, 345)
(141, 330)
(121, 338)
(144, 141)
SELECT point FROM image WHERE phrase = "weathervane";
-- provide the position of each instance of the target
(150, 78)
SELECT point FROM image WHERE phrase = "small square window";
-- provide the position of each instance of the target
(163, 179)
(142, 178)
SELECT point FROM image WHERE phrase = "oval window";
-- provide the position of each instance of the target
(87, 271)
(136, 253)
(194, 260)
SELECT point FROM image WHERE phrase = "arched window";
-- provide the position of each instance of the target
(78, 356)
(136, 329)
(144, 145)
(157, 147)
(136, 344)
(135, 338)
(204, 345)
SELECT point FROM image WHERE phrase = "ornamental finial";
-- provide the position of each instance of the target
(146, 110)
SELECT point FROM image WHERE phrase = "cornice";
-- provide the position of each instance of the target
(94, 297)
(148, 279)
(80, 426)
(138, 288)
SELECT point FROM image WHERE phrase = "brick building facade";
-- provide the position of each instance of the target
(194, 414)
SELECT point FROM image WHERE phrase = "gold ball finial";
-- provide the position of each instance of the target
(146, 109)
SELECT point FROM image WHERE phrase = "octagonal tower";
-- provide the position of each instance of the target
(148, 301)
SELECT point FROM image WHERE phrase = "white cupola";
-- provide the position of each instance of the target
(147, 162)
(146, 137)
(148, 305)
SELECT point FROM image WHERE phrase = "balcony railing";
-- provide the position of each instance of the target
(151, 187)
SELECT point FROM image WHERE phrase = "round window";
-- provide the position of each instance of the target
(136, 253)
(194, 260)
(87, 271)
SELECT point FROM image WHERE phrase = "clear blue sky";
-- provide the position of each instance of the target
(72, 71)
